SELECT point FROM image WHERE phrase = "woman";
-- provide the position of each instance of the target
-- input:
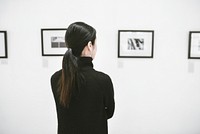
(84, 97)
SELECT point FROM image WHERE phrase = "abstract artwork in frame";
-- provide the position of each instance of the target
(3, 44)
(53, 42)
(194, 45)
(135, 43)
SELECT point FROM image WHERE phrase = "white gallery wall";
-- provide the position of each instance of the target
(159, 95)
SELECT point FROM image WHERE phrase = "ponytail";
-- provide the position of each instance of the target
(77, 36)
(68, 77)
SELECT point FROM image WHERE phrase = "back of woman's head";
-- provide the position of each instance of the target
(78, 35)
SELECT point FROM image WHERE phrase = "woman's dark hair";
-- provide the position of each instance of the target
(77, 36)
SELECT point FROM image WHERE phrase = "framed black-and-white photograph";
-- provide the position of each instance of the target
(53, 42)
(3, 44)
(194, 45)
(135, 43)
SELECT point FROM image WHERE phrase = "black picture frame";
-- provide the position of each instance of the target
(3, 44)
(53, 42)
(194, 45)
(135, 43)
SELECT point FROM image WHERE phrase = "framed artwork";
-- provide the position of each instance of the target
(135, 43)
(3, 44)
(194, 45)
(53, 42)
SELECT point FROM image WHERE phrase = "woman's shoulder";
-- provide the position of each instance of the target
(56, 75)
(103, 75)
(104, 80)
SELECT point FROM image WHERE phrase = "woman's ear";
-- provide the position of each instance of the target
(90, 46)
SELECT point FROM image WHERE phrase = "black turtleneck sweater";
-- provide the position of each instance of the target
(89, 110)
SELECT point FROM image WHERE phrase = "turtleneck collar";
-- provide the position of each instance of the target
(85, 62)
